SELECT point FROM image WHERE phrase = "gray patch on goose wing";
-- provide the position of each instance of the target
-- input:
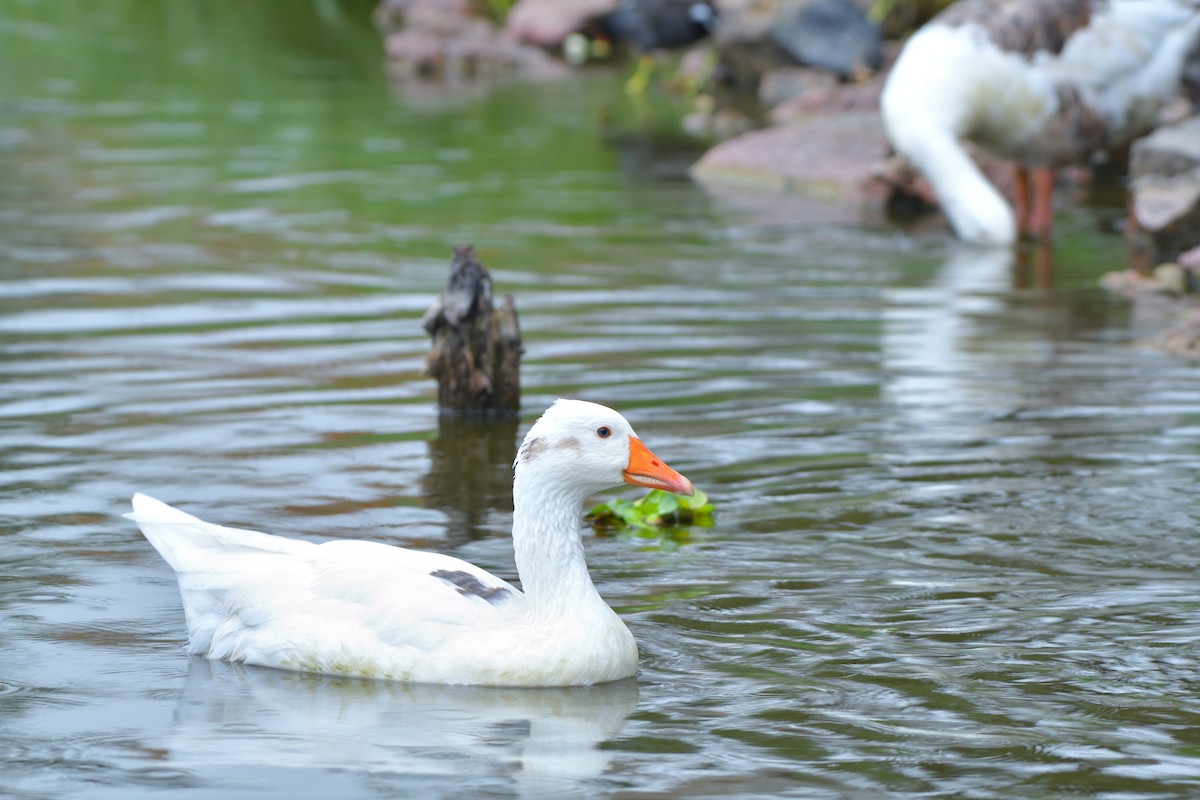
(468, 585)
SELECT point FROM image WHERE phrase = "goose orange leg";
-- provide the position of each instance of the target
(1041, 215)
(1021, 200)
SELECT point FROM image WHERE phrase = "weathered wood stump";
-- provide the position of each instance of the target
(476, 352)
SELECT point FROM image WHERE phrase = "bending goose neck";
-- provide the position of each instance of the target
(978, 212)
(547, 544)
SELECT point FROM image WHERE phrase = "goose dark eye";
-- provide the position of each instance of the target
(604, 431)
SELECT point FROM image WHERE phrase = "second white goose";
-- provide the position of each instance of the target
(1045, 83)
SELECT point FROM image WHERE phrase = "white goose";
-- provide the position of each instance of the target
(1045, 83)
(371, 610)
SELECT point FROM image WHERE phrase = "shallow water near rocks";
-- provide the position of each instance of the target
(954, 553)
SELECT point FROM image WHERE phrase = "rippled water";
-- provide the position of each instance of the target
(954, 553)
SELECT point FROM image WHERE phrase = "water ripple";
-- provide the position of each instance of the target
(953, 548)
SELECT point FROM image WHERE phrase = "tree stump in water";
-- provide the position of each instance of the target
(476, 353)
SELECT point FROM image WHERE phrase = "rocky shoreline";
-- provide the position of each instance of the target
(818, 135)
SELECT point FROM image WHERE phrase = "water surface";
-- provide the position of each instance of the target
(954, 551)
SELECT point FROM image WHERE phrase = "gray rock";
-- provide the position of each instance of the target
(833, 35)
(1165, 171)
(548, 22)
(449, 41)
(757, 36)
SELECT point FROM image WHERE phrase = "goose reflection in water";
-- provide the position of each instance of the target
(545, 740)
(934, 345)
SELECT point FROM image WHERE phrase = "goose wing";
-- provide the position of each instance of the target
(269, 600)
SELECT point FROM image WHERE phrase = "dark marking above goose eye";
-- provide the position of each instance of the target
(604, 431)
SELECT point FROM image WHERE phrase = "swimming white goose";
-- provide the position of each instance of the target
(1045, 83)
(376, 611)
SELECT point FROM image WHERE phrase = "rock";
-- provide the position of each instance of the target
(757, 36)
(751, 20)
(1160, 202)
(395, 15)
(1130, 283)
(547, 23)
(1165, 172)
(833, 35)
(1182, 338)
(716, 124)
(784, 84)
(476, 352)
(821, 94)
(1171, 282)
(826, 140)
(1191, 259)
(1190, 80)
(1169, 150)
(1171, 277)
(825, 154)
(447, 40)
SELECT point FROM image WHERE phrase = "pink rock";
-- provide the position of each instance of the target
(1165, 172)
(447, 40)
(829, 98)
(393, 15)
(548, 22)
(836, 151)
(1161, 201)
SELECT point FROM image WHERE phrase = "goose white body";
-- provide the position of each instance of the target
(375, 611)
(954, 82)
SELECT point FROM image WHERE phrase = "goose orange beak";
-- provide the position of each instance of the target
(646, 469)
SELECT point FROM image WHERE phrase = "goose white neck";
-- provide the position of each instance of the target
(927, 106)
(548, 545)
(976, 210)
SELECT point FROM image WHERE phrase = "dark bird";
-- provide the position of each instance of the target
(652, 25)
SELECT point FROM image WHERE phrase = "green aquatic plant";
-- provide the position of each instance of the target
(904, 16)
(658, 509)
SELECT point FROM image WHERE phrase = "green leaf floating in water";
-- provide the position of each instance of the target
(658, 509)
